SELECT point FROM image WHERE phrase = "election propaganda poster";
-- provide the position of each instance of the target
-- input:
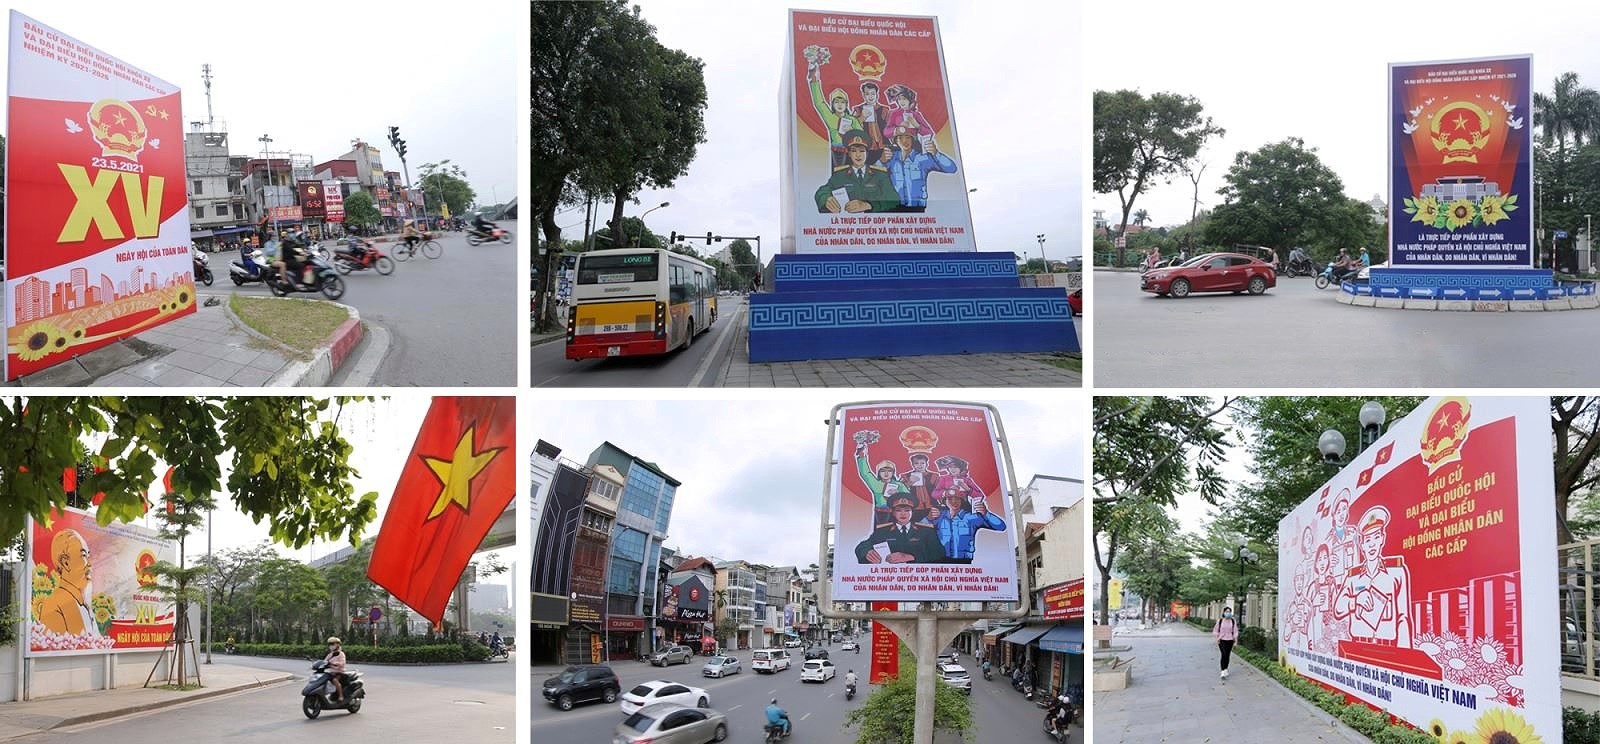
(92, 588)
(97, 227)
(871, 160)
(1461, 163)
(922, 505)
(1419, 580)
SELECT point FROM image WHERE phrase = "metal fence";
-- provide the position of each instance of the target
(1577, 596)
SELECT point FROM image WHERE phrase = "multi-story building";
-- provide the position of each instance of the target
(687, 602)
(643, 514)
(555, 529)
(1050, 642)
(215, 186)
(591, 554)
(736, 583)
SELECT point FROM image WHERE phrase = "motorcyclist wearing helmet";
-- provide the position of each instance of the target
(357, 245)
(335, 659)
(291, 252)
(483, 225)
(777, 716)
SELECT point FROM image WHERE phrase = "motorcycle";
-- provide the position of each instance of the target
(1060, 735)
(245, 271)
(202, 267)
(498, 653)
(1331, 275)
(228, 648)
(317, 275)
(850, 691)
(317, 695)
(478, 237)
(1298, 267)
(987, 674)
(775, 732)
(346, 261)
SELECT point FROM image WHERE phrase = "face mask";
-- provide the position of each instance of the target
(1227, 614)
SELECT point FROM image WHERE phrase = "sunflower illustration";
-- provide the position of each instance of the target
(1437, 730)
(36, 341)
(185, 299)
(1424, 209)
(1459, 214)
(77, 333)
(1493, 209)
(1504, 726)
(1458, 737)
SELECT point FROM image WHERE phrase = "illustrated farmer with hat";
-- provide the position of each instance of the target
(883, 481)
(1377, 592)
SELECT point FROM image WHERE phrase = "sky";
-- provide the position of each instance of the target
(317, 75)
(1015, 81)
(752, 468)
(1266, 71)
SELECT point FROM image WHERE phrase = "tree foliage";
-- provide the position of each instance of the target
(1281, 196)
(1142, 142)
(634, 235)
(443, 180)
(361, 211)
(888, 715)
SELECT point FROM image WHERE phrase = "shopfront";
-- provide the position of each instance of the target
(1061, 645)
(1024, 653)
(625, 637)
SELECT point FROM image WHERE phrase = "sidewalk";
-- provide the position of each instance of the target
(210, 348)
(45, 714)
(1176, 696)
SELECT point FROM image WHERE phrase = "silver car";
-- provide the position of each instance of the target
(956, 676)
(672, 655)
(720, 666)
(671, 723)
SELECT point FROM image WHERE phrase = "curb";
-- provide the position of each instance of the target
(549, 339)
(327, 358)
(157, 705)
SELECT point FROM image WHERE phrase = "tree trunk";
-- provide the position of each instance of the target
(619, 237)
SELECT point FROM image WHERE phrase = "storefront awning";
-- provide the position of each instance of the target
(199, 233)
(1064, 637)
(998, 631)
(1026, 635)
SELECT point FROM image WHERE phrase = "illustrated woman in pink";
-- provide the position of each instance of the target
(904, 114)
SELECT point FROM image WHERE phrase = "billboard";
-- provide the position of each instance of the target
(687, 599)
(1063, 601)
(333, 201)
(1415, 579)
(92, 592)
(1461, 163)
(95, 179)
(312, 203)
(922, 506)
(871, 160)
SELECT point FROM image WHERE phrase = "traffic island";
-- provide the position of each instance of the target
(318, 333)
(1469, 290)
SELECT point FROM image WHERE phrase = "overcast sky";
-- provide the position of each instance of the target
(1015, 80)
(752, 469)
(316, 75)
(1266, 71)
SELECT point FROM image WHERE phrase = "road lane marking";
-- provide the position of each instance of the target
(730, 330)
(736, 707)
(804, 717)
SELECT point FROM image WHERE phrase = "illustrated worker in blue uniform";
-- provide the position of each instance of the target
(909, 167)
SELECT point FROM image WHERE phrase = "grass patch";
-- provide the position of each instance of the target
(1073, 362)
(302, 325)
(176, 688)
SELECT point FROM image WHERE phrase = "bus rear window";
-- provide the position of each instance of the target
(640, 267)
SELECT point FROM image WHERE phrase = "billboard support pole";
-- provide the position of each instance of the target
(24, 608)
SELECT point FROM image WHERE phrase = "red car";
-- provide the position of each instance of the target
(1212, 272)
(1075, 301)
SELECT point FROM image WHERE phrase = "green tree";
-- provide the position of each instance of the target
(1282, 195)
(229, 578)
(360, 210)
(1569, 111)
(744, 262)
(888, 715)
(446, 182)
(635, 235)
(1156, 565)
(1147, 452)
(1141, 142)
(289, 466)
(180, 583)
(285, 592)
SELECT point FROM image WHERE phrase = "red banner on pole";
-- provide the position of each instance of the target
(885, 648)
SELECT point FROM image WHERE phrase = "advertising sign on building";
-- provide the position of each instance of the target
(1064, 601)
(1461, 163)
(312, 203)
(92, 589)
(922, 505)
(333, 200)
(97, 234)
(871, 160)
(687, 599)
(1420, 579)
(284, 213)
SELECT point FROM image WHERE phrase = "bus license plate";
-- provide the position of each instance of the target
(612, 351)
(616, 327)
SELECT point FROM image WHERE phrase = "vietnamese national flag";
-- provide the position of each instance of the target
(459, 477)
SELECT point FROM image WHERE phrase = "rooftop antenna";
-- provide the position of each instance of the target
(205, 74)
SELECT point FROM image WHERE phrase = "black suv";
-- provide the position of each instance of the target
(582, 683)
(816, 652)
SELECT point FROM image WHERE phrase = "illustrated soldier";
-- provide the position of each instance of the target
(867, 188)
(907, 541)
(1377, 592)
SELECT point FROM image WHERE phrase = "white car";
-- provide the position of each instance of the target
(792, 644)
(848, 646)
(662, 691)
(769, 660)
(956, 676)
(817, 670)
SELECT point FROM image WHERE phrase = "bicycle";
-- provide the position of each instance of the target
(429, 246)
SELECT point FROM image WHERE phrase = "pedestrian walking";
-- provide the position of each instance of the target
(1226, 631)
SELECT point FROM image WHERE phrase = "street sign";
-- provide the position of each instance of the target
(375, 614)
(1561, 234)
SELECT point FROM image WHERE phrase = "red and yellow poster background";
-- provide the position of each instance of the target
(97, 218)
(91, 590)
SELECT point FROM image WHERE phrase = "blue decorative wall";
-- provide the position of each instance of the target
(877, 304)
(1466, 284)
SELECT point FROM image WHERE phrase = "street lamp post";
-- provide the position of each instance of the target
(1243, 554)
(1372, 417)
(266, 159)
(646, 214)
(1040, 236)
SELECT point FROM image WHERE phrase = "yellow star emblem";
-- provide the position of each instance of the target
(457, 472)
(163, 114)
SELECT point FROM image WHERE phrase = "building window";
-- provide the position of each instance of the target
(238, 211)
(641, 493)
(199, 213)
(222, 210)
(198, 186)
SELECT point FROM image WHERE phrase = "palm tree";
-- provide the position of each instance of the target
(1140, 217)
(1569, 110)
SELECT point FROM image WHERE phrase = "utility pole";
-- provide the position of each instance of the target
(266, 159)
(205, 74)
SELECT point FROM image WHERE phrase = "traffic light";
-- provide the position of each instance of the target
(398, 144)
(673, 240)
(708, 237)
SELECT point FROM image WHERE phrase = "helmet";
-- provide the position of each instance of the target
(774, 701)
(333, 639)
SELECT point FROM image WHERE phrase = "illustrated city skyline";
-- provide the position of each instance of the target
(37, 298)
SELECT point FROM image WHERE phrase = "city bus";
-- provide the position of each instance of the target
(636, 301)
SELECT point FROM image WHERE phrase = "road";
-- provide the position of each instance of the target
(452, 321)
(694, 366)
(1298, 336)
(816, 710)
(462, 704)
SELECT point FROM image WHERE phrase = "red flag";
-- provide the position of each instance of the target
(459, 477)
(1365, 478)
(1383, 454)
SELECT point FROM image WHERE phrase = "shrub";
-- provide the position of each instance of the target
(1256, 640)
(409, 654)
(1580, 726)
(1374, 724)
(1203, 622)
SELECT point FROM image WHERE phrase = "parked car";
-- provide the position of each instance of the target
(582, 683)
(769, 660)
(956, 676)
(1075, 301)
(663, 691)
(670, 723)
(671, 655)
(817, 670)
(816, 653)
(948, 656)
(1211, 272)
(848, 646)
(720, 666)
